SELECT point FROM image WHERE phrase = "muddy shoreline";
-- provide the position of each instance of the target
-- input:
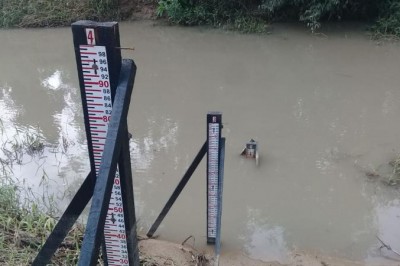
(160, 252)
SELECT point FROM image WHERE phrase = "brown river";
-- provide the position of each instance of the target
(324, 109)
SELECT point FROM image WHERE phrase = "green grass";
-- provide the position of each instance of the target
(24, 225)
(393, 179)
(24, 229)
(13, 149)
(388, 173)
(45, 13)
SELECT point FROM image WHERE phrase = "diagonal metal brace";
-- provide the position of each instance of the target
(182, 183)
(67, 220)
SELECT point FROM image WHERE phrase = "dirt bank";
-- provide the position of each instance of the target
(159, 252)
(141, 9)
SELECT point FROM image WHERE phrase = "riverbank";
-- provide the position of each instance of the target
(28, 14)
(23, 230)
(158, 252)
(382, 18)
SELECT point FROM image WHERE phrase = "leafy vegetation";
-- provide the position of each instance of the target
(394, 178)
(43, 13)
(387, 173)
(24, 225)
(229, 14)
(253, 15)
(24, 228)
(242, 15)
(388, 22)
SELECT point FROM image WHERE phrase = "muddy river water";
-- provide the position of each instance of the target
(325, 110)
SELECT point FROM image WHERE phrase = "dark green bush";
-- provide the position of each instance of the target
(260, 12)
(314, 11)
(240, 15)
(388, 22)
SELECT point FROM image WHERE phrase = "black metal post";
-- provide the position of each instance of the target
(182, 183)
(67, 220)
(124, 165)
(105, 34)
(99, 68)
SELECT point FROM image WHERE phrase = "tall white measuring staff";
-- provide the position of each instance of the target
(99, 104)
(214, 126)
(214, 147)
(99, 63)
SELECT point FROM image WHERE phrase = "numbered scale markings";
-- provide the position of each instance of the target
(213, 172)
(99, 104)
